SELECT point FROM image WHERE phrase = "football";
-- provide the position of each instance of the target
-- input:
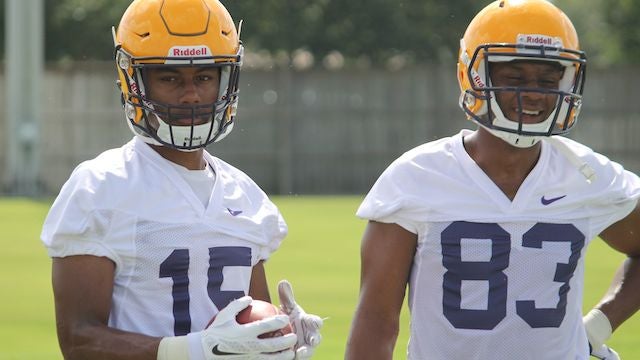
(259, 310)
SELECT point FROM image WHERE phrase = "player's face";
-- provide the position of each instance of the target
(183, 86)
(536, 106)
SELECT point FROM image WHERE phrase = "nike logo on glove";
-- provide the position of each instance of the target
(215, 351)
(549, 201)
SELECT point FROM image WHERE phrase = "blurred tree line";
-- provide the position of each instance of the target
(348, 32)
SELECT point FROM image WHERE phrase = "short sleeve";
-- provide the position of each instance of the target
(618, 198)
(387, 200)
(73, 225)
(276, 231)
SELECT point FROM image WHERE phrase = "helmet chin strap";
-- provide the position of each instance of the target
(520, 141)
(182, 135)
(199, 139)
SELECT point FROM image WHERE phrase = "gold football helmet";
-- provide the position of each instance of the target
(508, 30)
(177, 33)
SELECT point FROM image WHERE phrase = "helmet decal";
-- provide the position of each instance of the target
(188, 51)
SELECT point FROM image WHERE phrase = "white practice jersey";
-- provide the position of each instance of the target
(494, 278)
(177, 262)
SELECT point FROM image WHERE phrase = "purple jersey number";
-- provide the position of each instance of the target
(492, 271)
(176, 266)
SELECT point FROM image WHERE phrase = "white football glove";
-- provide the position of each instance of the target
(305, 326)
(605, 353)
(599, 330)
(226, 339)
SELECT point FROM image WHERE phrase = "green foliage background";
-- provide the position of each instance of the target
(373, 30)
(320, 257)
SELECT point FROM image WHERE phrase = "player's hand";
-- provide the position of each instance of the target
(598, 329)
(226, 339)
(305, 326)
(605, 353)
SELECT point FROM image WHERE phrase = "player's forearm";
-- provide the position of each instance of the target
(622, 299)
(362, 347)
(258, 288)
(371, 340)
(100, 342)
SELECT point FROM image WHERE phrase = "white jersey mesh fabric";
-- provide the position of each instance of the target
(494, 278)
(177, 261)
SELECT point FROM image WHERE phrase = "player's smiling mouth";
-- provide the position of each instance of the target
(531, 112)
(530, 116)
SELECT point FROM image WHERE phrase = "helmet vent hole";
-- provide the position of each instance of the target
(225, 32)
(501, 4)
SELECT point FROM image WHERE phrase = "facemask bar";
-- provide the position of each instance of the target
(569, 93)
(218, 116)
(544, 128)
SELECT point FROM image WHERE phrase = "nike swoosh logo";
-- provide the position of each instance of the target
(549, 201)
(234, 212)
(215, 351)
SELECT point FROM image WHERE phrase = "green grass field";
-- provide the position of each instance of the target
(320, 258)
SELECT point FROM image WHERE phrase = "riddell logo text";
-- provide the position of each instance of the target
(181, 51)
(539, 40)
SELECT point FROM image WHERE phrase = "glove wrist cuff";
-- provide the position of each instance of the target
(188, 347)
(598, 327)
(175, 347)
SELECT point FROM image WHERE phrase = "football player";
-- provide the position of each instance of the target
(152, 240)
(489, 228)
